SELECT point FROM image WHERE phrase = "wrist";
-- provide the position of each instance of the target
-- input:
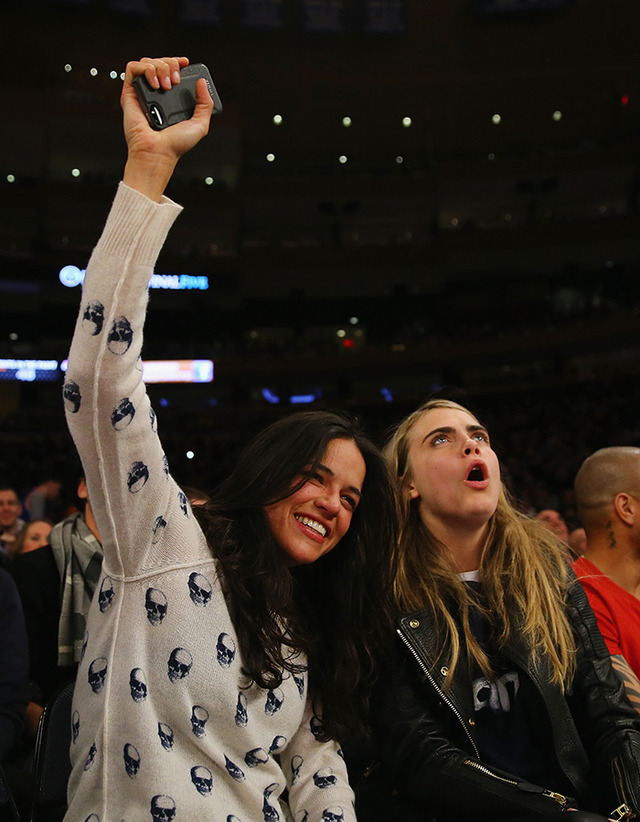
(149, 174)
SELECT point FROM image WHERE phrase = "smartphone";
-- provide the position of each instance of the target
(164, 108)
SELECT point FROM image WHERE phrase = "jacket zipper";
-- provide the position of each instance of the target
(556, 797)
(479, 767)
(440, 692)
(624, 810)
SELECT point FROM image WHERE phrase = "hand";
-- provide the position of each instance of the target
(153, 155)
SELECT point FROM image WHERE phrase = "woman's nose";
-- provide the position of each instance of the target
(471, 447)
(329, 502)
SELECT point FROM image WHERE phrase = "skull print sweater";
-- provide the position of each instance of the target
(164, 725)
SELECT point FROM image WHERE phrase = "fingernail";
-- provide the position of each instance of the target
(166, 82)
(175, 76)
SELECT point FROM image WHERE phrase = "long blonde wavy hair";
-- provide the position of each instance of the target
(524, 572)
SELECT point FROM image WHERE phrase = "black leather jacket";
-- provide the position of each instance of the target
(429, 763)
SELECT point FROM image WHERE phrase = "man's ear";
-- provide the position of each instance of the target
(626, 507)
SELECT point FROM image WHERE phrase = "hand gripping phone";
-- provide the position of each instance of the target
(164, 108)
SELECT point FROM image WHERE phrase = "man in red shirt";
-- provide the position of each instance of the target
(607, 489)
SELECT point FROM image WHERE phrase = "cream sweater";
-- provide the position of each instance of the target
(164, 726)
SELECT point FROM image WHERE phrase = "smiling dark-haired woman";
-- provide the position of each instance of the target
(500, 702)
(229, 645)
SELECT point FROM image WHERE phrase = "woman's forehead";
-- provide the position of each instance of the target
(443, 416)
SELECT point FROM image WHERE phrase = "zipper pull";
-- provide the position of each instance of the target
(557, 797)
(622, 812)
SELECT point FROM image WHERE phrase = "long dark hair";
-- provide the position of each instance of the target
(335, 610)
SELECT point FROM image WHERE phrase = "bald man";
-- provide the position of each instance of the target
(607, 489)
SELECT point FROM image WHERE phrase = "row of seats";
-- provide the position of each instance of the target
(51, 765)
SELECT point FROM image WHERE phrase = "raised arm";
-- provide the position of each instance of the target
(108, 410)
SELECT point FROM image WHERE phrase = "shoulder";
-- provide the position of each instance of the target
(35, 559)
(576, 594)
(598, 586)
(35, 565)
(10, 607)
(7, 585)
(41, 558)
(583, 621)
(584, 568)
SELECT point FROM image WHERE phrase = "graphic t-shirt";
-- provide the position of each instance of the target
(502, 727)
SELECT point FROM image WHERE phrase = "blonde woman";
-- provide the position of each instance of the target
(500, 702)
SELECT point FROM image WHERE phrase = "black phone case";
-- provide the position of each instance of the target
(164, 108)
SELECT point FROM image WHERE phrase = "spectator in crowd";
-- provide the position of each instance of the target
(608, 496)
(230, 644)
(554, 521)
(578, 541)
(43, 501)
(14, 667)
(56, 584)
(496, 647)
(10, 522)
(34, 535)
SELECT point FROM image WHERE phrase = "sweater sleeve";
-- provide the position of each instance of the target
(107, 407)
(317, 776)
(14, 668)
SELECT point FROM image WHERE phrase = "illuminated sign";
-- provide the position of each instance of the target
(71, 276)
(179, 282)
(160, 371)
(177, 371)
(29, 370)
(172, 370)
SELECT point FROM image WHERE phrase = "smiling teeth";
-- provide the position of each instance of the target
(312, 523)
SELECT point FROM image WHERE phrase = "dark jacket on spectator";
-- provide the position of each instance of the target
(425, 734)
(14, 665)
(38, 582)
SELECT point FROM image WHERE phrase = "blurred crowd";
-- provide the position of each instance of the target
(542, 436)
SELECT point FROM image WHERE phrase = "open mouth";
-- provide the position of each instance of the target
(313, 524)
(476, 474)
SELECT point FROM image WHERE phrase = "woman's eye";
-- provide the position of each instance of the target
(351, 502)
(481, 436)
(438, 439)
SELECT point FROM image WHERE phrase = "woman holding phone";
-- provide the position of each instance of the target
(231, 644)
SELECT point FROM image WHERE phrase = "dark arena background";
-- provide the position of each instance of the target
(400, 198)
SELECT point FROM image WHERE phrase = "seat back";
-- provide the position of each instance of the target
(8, 809)
(52, 765)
